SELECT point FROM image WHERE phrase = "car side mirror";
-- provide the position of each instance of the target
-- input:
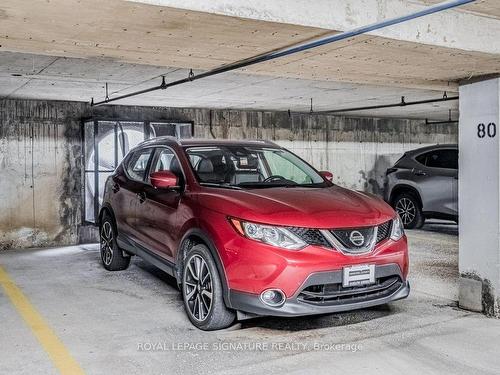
(164, 180)
(327, 175)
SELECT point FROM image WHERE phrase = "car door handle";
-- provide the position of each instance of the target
(115, 187)
(419, 173)
(141, 196)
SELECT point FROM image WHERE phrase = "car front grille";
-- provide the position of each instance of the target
(384, 231)
(310, 236)
(315, 237)
(365, 236)
(336, 294)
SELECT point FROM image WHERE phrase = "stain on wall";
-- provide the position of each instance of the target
(41, 180)
(39, 197)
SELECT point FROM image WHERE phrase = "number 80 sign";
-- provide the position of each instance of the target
(489, 130)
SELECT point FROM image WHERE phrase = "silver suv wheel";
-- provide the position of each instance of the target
(406, 210)
(408, 207)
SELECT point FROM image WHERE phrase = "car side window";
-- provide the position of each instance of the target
(447, 159)
(195, 160)
(166, 161)
(138, 163)
(422, 159)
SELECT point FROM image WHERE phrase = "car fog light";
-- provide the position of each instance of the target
(273, 297)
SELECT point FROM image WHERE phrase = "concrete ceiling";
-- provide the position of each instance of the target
(68, 49)
(57, 78)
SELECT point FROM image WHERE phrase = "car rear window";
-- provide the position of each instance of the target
(400, 159)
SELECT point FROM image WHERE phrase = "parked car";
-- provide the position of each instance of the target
(248, 228)
(423, 184)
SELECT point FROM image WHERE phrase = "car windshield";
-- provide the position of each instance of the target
(251, 167)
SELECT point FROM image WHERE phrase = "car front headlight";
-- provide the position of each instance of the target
(397, 229)
(268, 234)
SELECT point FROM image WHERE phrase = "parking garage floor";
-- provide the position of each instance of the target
(132, 322)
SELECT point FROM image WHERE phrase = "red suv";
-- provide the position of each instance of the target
(247, 228)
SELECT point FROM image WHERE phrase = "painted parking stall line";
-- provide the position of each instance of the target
(53, 346)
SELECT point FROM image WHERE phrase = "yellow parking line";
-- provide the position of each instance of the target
(56, 350)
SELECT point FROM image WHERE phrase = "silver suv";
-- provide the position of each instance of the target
(423, 184)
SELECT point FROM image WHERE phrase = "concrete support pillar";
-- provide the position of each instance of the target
(479, 198)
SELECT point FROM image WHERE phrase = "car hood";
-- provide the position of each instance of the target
(331, 207)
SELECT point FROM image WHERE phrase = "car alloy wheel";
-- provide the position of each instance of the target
(107, 243)
(198, 290)
(406, 210)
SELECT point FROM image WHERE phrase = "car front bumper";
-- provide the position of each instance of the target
(391, 286)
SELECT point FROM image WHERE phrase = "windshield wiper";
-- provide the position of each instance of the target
(313, 185)
(261, 185)
(286, 186)
(226, 186)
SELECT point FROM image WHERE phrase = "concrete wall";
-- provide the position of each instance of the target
(41, 155)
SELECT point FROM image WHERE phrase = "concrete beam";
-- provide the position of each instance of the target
(466, 30)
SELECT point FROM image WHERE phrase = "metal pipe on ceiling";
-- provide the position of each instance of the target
(295, 48)
(449, 121)
(427, 122)
(402, 103)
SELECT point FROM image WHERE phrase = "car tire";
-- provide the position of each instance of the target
(408, 207)
(111, 255)
(202, 291)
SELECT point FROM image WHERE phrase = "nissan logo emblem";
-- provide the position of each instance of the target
(357, 238)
